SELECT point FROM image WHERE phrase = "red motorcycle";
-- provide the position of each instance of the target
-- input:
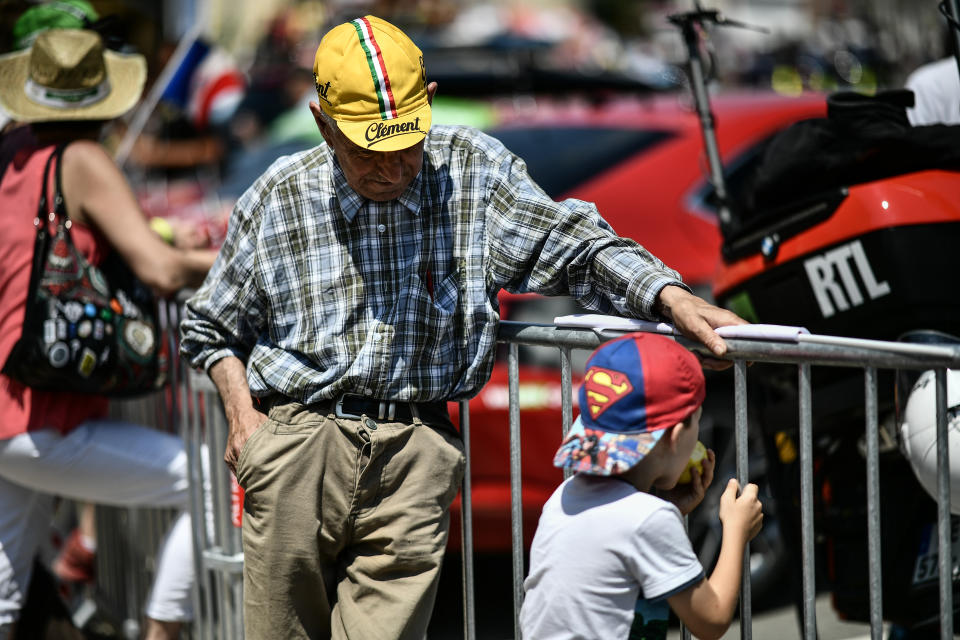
(844, 225)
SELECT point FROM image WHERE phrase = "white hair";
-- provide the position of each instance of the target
(329, 120)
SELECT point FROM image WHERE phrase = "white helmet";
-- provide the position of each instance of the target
(918, 433)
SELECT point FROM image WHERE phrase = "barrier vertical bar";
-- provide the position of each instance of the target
(134, 580)
(232, 544)
(516, 496)
(566, 397)
(684, 632)
(213, 540)
(945, 552)
(743, 477)
(466, 529)
(566, 390)
(184, 414)
(219, 483)
(873, 503)
(202, 427)
(217, 488)
(193, 440)
(806, 504)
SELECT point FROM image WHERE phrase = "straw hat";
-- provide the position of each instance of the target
(68, 75)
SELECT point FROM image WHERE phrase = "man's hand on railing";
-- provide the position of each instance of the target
(696, 319)
(687, 496)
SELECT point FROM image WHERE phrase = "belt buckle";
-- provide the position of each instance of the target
(338, 409)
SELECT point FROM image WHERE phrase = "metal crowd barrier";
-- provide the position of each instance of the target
(804, 352)
(127, 538)
(218, 552)
(199, 418)
(215, 500)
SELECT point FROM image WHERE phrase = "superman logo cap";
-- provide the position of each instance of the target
(634, 388)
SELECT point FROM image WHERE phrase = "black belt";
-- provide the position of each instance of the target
(355, 407)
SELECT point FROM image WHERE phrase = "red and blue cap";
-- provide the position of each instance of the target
(634, 388)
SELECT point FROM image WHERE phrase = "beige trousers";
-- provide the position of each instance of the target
(345, 524)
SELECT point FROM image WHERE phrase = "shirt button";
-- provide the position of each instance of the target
(376, 337)
(381, 228)
(370, 424)
(368, 392)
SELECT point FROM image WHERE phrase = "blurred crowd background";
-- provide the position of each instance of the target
(229, 82)
(825, 41)
(231, 78)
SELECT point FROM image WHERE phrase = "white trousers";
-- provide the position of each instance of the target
(106, 462)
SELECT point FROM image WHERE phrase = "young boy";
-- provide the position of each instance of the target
(604, 539)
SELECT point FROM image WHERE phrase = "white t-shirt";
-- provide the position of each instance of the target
(600, 545)
(936, 87)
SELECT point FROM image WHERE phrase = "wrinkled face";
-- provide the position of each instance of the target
(377, 175)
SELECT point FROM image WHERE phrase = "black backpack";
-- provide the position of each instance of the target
(863, 138)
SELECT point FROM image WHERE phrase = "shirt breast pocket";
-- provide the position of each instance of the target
(428, 320)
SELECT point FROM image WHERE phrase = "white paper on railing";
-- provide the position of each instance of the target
(615, 323)
(745, 331)
(779, 332)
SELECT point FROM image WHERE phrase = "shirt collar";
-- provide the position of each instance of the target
(351, 201)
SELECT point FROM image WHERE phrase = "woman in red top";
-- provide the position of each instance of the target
(60, 443)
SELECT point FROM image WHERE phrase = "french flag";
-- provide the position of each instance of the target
(207, 85)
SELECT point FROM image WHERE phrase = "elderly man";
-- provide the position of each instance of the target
(356, 294)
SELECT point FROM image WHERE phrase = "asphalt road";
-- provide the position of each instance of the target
(781, 623)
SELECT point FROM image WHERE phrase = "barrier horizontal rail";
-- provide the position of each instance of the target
(811, 349)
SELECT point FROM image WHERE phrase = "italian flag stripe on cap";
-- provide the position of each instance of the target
(381, 82)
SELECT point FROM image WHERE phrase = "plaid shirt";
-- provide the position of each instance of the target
(322, 292)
